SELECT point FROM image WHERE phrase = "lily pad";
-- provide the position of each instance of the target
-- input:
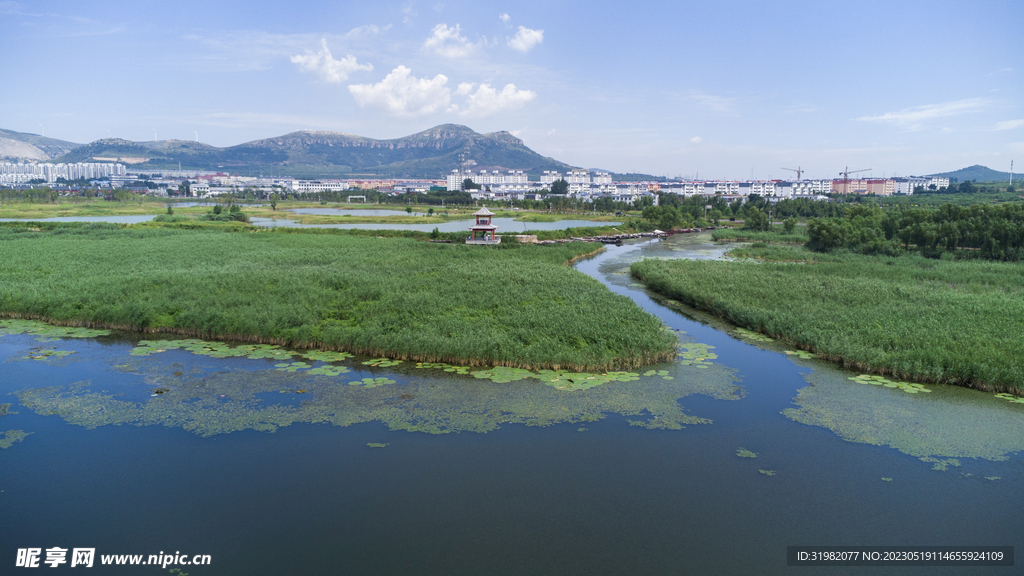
(875, 380)
(751, 335)
(801, 354)
(371, 382)
(767, 472)
(44, 354)
(382, 362)
(744, 453)
(326, 356)
(45, 332)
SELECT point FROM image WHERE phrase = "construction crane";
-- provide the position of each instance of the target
(798, 171)
(846, 177)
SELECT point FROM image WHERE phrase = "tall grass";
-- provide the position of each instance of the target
(388, 296)
(960, 322)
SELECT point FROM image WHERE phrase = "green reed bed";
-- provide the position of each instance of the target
(777, 236)
(390, 297)
(960, 322)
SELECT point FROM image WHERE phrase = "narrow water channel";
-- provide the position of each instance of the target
(711, 465)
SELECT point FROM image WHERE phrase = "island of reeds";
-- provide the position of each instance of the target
(930, 296)
(511, 305)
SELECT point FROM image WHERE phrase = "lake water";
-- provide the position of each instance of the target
(505, 225)
(114, 219)
(431, 472)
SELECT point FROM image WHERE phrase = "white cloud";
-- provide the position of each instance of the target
(464, 89)
(447, 42)
(505, 18)
(917, 114)
(551, 132)
(326, 67)
(403, 95)
(487, 101)
(1009, 124)
(408, 14)
(367, 30)
(696, 139)
(526, 39)
(716, 104)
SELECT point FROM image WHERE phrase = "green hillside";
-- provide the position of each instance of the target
(976, 173)
(428, 154)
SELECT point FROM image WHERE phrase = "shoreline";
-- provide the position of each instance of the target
(647, 360)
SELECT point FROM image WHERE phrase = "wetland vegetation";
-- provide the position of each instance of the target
(919, 319)
(467, 305)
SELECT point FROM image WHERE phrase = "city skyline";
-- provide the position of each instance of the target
(733, 91)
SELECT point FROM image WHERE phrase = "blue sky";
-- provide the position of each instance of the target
(716, 90)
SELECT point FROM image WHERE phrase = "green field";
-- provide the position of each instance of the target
(511, 305)
(959, 322)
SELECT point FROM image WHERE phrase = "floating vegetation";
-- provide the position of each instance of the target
(801, 354)
(696, 354)
(581, 429)
(44, 354)
(46, 332)
(662, 373)
(12, 436)
(751, 335)
(376, 444)
(160, 391)
(1010, 398)
(941, 464)
(371, 382)
(908, 387)
(767, 472)
(504, 374)
(884, 479)
(213, 349)
(222, 401)
(445, 367)
(329, 370)
(942, 425)
(382, 362)
(993, 477)
(4, 409)
(293, 367)
(563, 380)
(326, 356)
(744, 453)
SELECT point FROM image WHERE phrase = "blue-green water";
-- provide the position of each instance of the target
(560, 483)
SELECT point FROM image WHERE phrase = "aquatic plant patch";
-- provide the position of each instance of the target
(44, 354)
(1010, 398)
(744, 453)
(222, 401)
(444, 367)
(751, 335)
(46, 332)
(767, 472)
(12, 436)
(372, 382)
(213, 349)
(326, 356)
(382, 362)
(908, 387)
(695, 354)
(801, 354)
(942, 425)
(662, 373)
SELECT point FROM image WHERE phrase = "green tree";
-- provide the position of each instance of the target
(273, 201)
(789, 225)
(430, 212)
(435, 233)
(185, 188)
(468, 184)
(560, 186)
(756, 220)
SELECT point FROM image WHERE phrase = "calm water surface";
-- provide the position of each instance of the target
(505, 225)
(479, 477)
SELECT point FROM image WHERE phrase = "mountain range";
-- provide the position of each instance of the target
(315, 154)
